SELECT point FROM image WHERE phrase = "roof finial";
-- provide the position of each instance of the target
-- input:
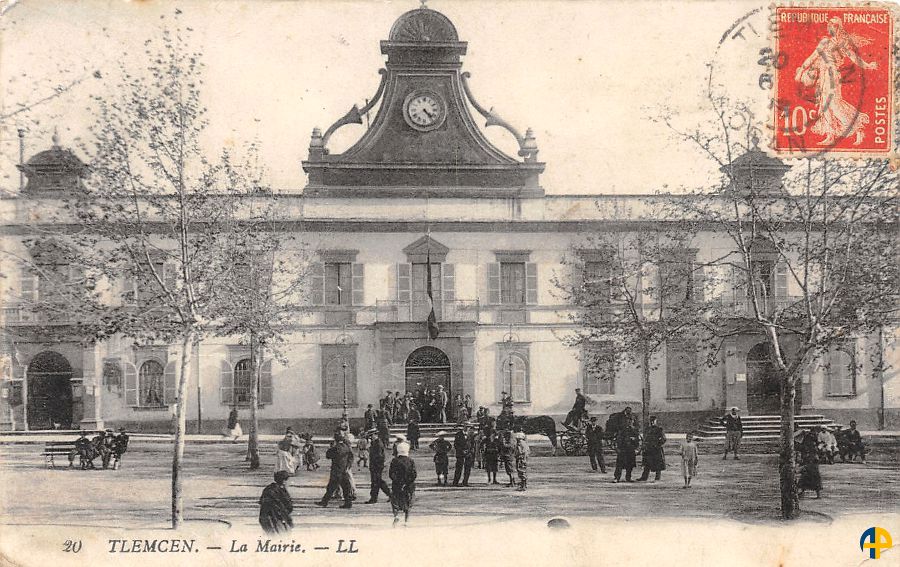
(55, 137)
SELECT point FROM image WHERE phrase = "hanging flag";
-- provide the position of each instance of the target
(433, 329)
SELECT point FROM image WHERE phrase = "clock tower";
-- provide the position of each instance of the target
(424, 138)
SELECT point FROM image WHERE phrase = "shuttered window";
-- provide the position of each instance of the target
(598, 369)
(151, 384)
(236, 383)
(338, 378)
(840, 373)
(681, 371)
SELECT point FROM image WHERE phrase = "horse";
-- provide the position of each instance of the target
(529, 425)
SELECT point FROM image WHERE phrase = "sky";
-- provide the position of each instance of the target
(588, 77)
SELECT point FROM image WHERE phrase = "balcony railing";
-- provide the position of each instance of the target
(21, 315)
(417, 311)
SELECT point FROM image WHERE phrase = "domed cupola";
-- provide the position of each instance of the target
(54, 170)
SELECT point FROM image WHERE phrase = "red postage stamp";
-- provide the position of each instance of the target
(834, 81)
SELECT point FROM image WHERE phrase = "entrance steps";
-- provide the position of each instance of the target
(758, 428)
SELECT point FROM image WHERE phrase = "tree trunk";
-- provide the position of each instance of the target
(790, 499)
(645, 388)
(187, 343)
(253, 437)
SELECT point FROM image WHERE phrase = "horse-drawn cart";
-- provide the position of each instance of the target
(573, 441)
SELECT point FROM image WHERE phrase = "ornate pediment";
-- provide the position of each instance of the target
(424, 134)
(425, 248)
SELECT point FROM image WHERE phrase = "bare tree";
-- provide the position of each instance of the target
(812, 257)
(635, 293)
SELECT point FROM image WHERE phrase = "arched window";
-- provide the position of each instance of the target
(242, 381)
(515, 377)
(151, 385)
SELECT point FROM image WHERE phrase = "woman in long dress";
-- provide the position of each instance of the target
(284, 457)
(275, 506)
(836, 118)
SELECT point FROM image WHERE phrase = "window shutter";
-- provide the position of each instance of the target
(357, 284)
(531, 283)
(171, 384)
(317, 284)
(29, 286)
(226, 374)
(448, 283)
(781, 279)
(738, 286)
(169, 273)
(494, 283)
(698, 281)
(265, 383)
(404, 282)
(131, 386)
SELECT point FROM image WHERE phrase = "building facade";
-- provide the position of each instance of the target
(421, 195)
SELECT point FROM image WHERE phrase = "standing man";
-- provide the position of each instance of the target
(734, 430)
(376, 467)
(381, 424)
(505, 420)
(467, 403)
(461, 445)
(522, 454)
(341, 458)
(397, 402)
(627, 441)
(508, 454)
(369, 416)
(387, 407)
(441, 448)
(654, 458)
(594, 434)
(441, 399)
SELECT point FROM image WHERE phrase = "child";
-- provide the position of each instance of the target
(412, 433)
(491, 457)
(521, 455)
(312, 457)
(689, 458)
(362, 450)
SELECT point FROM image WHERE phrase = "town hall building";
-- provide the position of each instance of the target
(423, 193)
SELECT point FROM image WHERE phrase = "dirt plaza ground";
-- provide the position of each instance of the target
(218, 487)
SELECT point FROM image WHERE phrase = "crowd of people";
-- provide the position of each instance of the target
(486, 443)
(425, 405)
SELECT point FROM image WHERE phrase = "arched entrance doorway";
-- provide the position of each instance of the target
(426, 369)
(49, 392)
(763, 387)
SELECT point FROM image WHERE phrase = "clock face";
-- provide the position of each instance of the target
(424, 111)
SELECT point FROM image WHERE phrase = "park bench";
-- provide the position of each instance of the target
(53, 449)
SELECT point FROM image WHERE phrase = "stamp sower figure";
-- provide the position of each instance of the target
(690, 456)
(627, 441)
(734, 430)
(594, 434)
(522, 454)
(275, 506)
(441, 448)
(341, 457)
(376, 467)
(654, 457)
(403, 483)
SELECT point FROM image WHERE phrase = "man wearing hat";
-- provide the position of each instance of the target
(734, 430)
(376, 466)
(594, 434)
(119, 447)
(441, 399)
(522, 454)
(106, 446)
(341, 458)
(654, 459)
(441, 448)
(465, 457)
